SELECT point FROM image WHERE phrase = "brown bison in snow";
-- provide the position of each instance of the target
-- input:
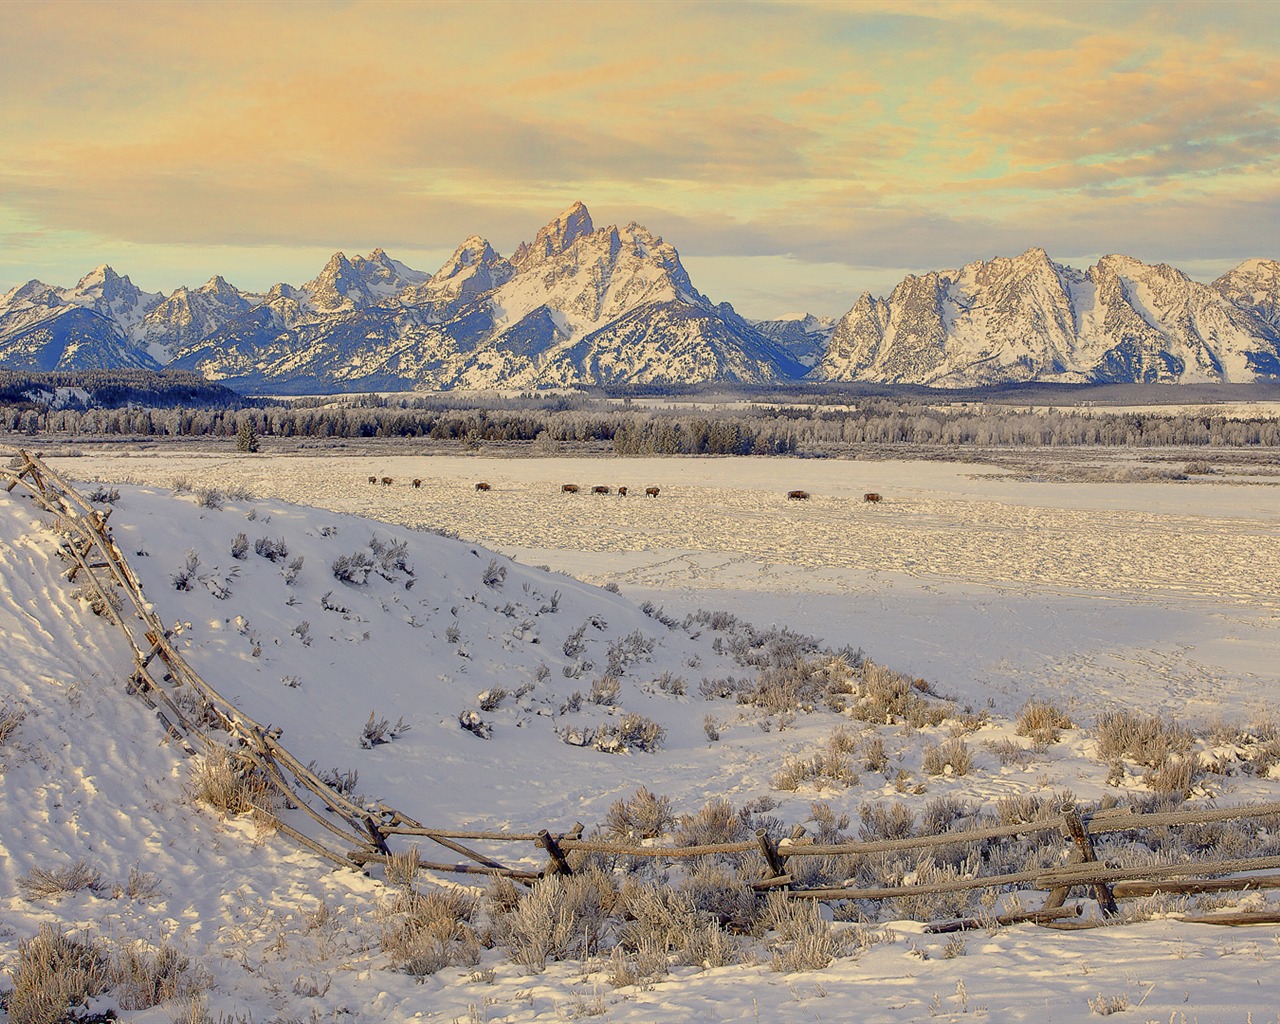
(622, 491)
(482, 486)
(417, 483)
(651, 492)
(373, 479)
(798, 495)
(871, 496)
(600, 489)
(386, 481)
(568, 488)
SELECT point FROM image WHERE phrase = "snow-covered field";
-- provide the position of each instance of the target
(1153, 596)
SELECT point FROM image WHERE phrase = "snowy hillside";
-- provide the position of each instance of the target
(316, 622)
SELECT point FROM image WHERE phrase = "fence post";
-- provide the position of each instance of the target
(769, 850)
(1074, 828)
(557, 863)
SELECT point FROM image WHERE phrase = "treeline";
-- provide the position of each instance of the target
(548, 423)
(113, 389)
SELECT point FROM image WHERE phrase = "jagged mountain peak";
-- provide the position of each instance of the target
(556, 237)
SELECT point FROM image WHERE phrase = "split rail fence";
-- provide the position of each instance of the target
(352, 834)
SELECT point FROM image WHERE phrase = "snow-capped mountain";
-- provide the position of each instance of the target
(1028, 318)
(94, 325)
(804, 336)
(586, 305)
(577, 305)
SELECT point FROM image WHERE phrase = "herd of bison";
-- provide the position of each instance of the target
(650, 492)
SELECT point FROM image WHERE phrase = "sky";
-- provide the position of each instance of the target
(795, 153)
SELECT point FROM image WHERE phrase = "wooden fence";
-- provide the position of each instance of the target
(349, 834)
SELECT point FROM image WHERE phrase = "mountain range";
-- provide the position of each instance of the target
(581, 305)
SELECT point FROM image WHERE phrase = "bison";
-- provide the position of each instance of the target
(373, 479)
(386, 481)
(651, 492)
(798, 495)
(622, 491)
(600, 489)
(417, 483)
(871, 496)
(482, 486)
(568, 488)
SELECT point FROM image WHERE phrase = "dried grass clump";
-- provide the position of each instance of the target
(143, 977)
(1145, 739)
(605, 690)
(10, 718)
(881, 695)
(232, 785)
(833, 768)
(951, 758)
(557, 919)
(55, 976)
(716, 823)
(643, 816)
(44, 883)
(880, 821)
(1042, 721)
(803, 938)
(430, 931)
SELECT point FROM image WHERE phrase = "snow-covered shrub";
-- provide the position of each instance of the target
(272, 550)
(336, 779)
(492, 698)
(55, 976)
(1042, 721)
(42, 883)
(574, 644)
(230, 785)
(184, 578)
(353, 568)
(627, 650)
(874, 758)
(605, 690)
(1008, 752)
(494, 574)
(631, 732)
(239, 546)
(210, 497)
(473, 723)
(292, 570)
(429, 931)
(659, 615)
(101, 496)
(711, 727)
(380, 730)
(830, 768)
(720, 894)
(642, 816)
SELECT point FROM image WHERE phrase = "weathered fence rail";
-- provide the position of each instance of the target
(195, 714)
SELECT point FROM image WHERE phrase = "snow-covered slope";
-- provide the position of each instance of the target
(1028, 318)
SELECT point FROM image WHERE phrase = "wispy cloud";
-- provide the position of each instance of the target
(901, 135)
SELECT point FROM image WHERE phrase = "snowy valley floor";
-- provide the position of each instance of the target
(1158, 596)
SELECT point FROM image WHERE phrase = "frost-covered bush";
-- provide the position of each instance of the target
(292, 570)
(574, 644)
(42, 883)
(102, 496)
(353, 568)
(605, 690)
(10, 718)
(1146, 739)
(470, 720)
(642, 816)
(55, 976)
(1042, 721)
(239, 546)
(880, 821)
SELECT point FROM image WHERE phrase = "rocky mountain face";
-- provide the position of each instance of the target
(1030, 319)
(587, 305)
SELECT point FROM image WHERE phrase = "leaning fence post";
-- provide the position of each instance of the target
(769, 850)
(557, 864)
(1074, 828)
